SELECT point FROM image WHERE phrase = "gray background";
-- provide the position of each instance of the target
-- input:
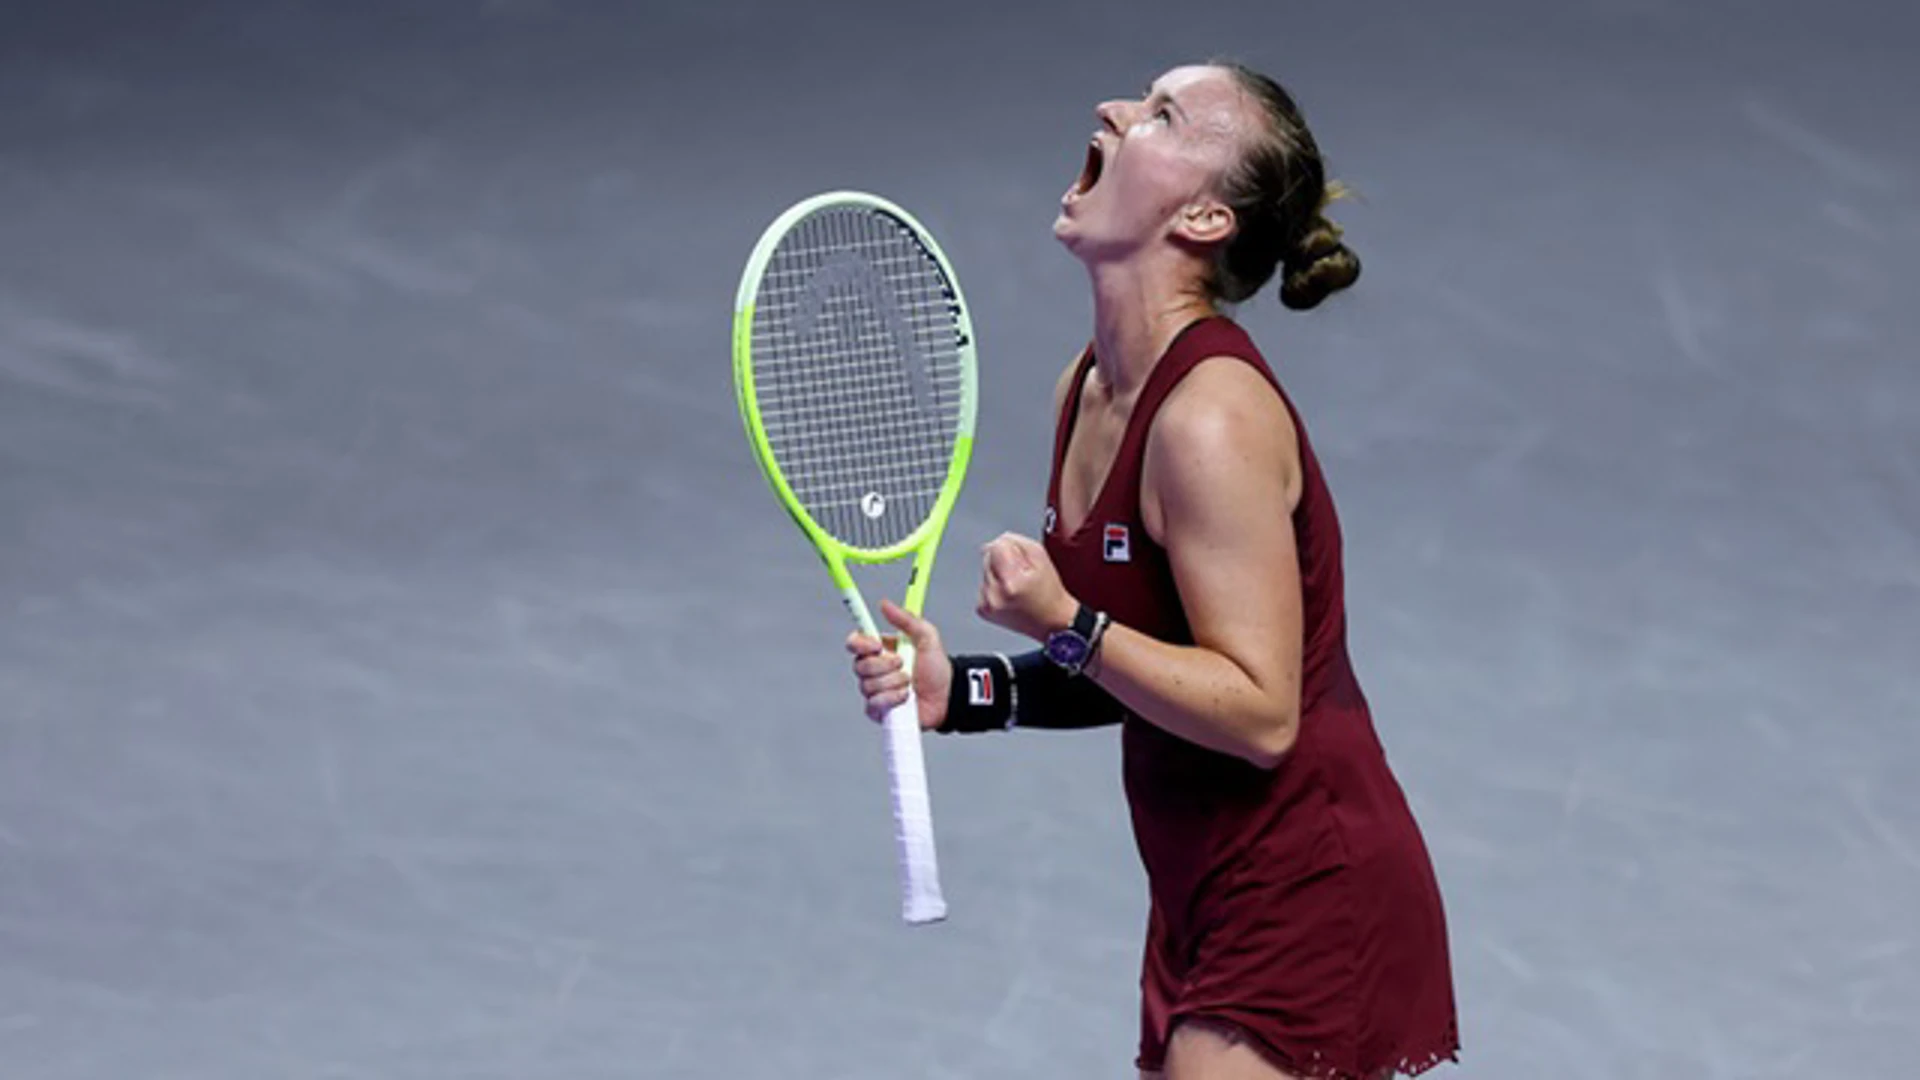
(405, 673)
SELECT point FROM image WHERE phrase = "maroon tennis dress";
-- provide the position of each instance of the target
(1298, 904)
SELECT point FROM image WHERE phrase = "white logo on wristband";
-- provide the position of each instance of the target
(980, 686)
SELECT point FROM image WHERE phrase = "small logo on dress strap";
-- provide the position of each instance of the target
(980, 686)
(1051, 519)
(1115, 546)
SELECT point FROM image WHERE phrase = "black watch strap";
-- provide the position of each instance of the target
(1085, 622)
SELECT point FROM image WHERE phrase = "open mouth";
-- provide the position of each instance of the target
(1090, 172)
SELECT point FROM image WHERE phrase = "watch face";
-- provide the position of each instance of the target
(1066, 647)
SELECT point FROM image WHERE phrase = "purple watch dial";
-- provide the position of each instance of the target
(1066, 648)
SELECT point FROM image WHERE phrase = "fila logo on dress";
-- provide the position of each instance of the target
(1114, 545)
(980, 686)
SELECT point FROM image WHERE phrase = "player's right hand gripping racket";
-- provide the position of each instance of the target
(853, 361)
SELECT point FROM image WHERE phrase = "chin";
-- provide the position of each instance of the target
(1066, 231)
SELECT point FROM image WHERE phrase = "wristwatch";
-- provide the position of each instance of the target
(1072, 647)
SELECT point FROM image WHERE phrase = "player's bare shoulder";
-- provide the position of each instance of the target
(1222, 427)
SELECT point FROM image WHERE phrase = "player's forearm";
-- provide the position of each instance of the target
(1198, 694)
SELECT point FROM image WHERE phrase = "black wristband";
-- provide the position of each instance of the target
(1053, 700)
(982, 697)
(1027, 691)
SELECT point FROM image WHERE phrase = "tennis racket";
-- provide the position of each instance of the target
(853, 361)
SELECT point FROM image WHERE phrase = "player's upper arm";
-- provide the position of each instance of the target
(1223, 473)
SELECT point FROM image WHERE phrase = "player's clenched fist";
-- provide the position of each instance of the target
(882, 681)
(1020, 590)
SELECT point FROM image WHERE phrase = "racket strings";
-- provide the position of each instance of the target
(858, 374)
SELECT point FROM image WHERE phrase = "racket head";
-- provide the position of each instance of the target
(854, 367)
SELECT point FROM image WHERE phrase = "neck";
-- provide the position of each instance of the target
(1136, 315)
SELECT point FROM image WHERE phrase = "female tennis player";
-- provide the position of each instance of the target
(1189, 588)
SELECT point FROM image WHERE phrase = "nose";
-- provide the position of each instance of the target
(1114, 115)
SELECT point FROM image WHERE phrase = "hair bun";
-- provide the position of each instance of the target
(1321, 239)
(1318, 266)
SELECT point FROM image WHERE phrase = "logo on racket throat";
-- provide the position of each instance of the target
(1115, 545)
(873, 504)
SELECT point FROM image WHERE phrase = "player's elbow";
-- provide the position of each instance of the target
(1272, 740)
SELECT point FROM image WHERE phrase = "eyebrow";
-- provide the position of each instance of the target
(1153, 93)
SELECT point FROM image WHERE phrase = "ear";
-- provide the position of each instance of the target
(1204, 221)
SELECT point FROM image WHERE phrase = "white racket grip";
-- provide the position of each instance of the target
(920, 897)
